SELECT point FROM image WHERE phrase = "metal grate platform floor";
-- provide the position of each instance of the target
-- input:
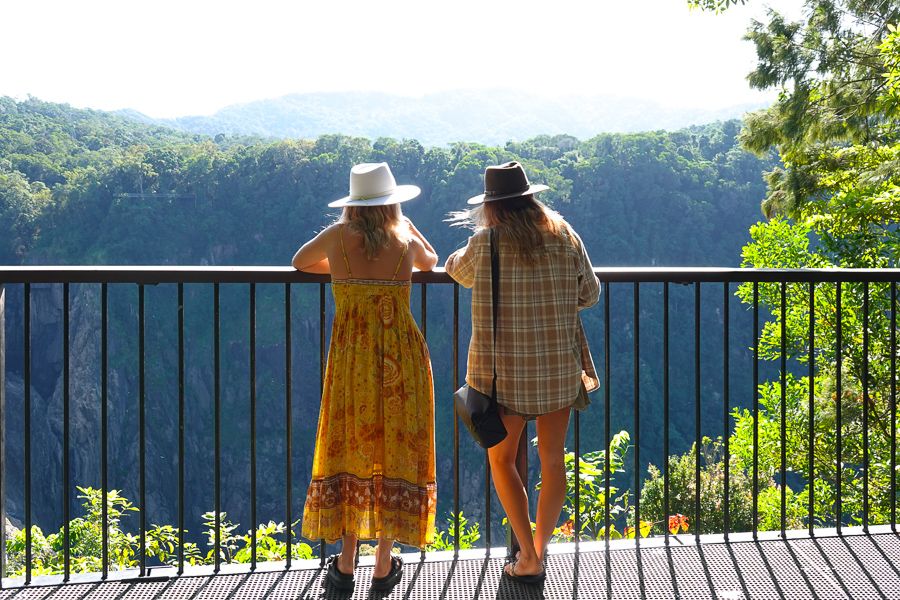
(824, 567)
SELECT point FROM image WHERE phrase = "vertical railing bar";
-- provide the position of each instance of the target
(142, 453)
(812, 405)
(755, 409)
(665, 459)
(253, 516)
(606, 416)
(104, 425)
(289, 418)
(217, 429)
(26, 375)
(838, 342)
(424, 309)
(783, 407)
(424, 312)
(455, 421)
(726, 403)
(865, 412)
(697, 424)
(321, 380)
(577, 441)
(894, 406)
(67, 476)
(637, 409)
(487, 504)
(3, 432)
(181, 444)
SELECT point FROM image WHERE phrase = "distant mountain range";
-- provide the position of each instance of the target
(489, 117)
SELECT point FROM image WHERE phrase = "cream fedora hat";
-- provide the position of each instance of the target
(373, 184)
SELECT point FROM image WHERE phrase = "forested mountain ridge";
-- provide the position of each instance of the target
(683, 197)
(486, 116)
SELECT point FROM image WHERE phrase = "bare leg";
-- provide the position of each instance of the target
(512, 494)
(383, 557)
(551, 431)
(347, 559)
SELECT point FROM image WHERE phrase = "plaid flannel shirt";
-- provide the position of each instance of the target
(542, 353)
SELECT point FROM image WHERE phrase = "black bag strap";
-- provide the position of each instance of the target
(495, 299)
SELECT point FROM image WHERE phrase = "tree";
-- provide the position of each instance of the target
(836, 114)
(21, 203)
(716, 6)
(835, 201)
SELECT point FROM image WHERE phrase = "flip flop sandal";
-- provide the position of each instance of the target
(333, 575)
(536, 579)
(392, 578)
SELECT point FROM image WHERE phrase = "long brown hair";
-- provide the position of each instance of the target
(519, 221)
(380, 226)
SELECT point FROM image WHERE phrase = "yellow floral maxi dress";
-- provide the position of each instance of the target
(373, 471)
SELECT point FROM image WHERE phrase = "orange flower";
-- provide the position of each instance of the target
(567, 529)
(677, 522)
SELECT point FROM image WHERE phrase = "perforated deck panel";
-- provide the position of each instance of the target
(856, 566)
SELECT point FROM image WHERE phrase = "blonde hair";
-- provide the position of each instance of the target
(380, 226)
(519, 221)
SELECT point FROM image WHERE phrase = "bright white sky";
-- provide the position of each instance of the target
(169, 58)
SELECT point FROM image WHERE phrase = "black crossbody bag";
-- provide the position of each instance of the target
(478, 411)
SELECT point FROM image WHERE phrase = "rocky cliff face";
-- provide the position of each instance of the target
(10, 528)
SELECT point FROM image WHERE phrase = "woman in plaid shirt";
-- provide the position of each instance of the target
(544, 367)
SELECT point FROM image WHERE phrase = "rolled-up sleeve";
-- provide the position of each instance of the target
(461, 265)
(588, 284)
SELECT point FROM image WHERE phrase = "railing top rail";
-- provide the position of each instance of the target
(257, 274)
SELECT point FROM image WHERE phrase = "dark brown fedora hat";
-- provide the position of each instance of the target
(506, 181)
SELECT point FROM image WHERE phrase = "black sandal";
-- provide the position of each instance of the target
(387, 582)
(333, 575)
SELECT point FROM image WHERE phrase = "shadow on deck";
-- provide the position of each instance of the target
(827, 566)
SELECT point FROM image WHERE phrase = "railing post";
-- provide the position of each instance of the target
(26, 424)
(522, 469)
(66, 464)
(455, 422)
(181, 422)
(2, 432)
(104, 429)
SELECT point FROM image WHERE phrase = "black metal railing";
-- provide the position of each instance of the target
(660, 282)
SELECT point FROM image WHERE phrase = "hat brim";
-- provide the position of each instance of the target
(401, 193)
(534, 188)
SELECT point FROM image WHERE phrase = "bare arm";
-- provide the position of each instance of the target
(312, 256)
(426, 258)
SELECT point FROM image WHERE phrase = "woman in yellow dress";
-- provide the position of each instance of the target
(373, 474)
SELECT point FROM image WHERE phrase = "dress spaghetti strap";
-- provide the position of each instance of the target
(344, 254)
(400, 262)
